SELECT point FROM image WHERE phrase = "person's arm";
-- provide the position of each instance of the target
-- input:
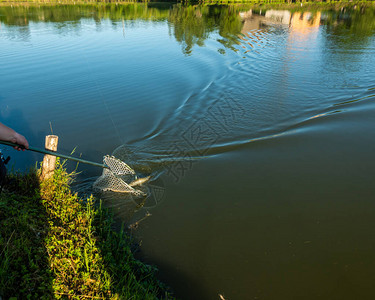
(9, 135)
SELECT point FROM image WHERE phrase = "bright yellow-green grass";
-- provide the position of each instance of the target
(54, 245)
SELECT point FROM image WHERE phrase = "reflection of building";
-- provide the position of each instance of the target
(278, 16)
(253, 21)
(301, 22)
(250, 21)
(305, 23)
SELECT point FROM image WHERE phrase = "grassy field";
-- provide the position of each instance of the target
(54, 245)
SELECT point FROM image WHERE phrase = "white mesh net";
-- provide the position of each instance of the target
(119, 178)
(130, 190)
(117, 166)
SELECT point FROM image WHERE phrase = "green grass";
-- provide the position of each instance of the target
(54, 245)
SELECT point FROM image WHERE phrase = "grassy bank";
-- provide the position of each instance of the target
(55, 245)
(279, 2)
(248, 4)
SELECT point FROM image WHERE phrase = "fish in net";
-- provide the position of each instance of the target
(118, 177)
(123, 188)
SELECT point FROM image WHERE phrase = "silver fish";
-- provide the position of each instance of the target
(140, 181)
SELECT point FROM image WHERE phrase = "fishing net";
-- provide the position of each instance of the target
(118, 177)
(128, 190)
(117, 166)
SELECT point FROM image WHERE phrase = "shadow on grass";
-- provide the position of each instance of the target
(55, 245)
(24, 267)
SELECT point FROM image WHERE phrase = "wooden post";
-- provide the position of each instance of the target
(48, 166)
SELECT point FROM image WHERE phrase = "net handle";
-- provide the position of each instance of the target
(56, 154)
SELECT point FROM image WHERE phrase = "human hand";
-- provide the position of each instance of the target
(9, 135)
(21, 140)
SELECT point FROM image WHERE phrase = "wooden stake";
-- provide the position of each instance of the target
(48, 166)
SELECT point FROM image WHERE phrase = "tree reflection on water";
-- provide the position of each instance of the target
(191, 25)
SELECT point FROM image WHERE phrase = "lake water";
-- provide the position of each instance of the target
(258, 121)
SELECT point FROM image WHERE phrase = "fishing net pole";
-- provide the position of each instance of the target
(117, 176)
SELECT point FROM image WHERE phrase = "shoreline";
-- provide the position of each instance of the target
(54, 244)
(248, 3)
